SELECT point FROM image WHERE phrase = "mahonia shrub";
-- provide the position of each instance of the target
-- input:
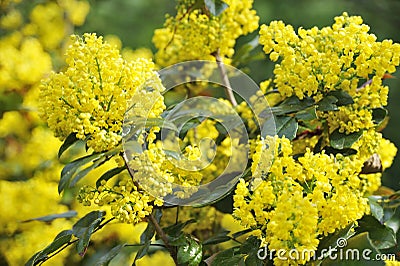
(307, 178)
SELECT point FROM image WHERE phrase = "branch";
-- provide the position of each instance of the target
(164, 238)
(225, 79)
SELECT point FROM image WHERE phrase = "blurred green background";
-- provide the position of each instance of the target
(133, 21)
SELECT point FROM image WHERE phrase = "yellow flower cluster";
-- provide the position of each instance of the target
(295, 201)
(194, 33)
(128, 204)
(341, 57)
(91, 96)
(315, 61)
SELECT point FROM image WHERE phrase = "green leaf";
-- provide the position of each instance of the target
(68, 142)
(328, 103)
(148, 233)
(378, 115)
(381, 236)
(253, 260)
(106, 259)
(216, 7)
(343, 98)
(291, 105)
(176, 229)
(341, 140)
(286, 126)
(60, 240)
(70, 169)
(84, 228)
(109, 174)
(227, 257)
(345, 152)
(218, 238)
(190, 253)
(49, 218)
(89, 219)
(71, 173)
(307, 114)
(251, 245)
(240, 233)
(192, 123)
(331, 240)
(142, 251)
(376, 208)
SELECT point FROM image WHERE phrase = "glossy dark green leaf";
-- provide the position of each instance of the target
(51, 217)
(142, 251)
(68, 142)
(192, 123)
(378, 115)
(227, 257)
(84, 228)
(251, 245)
(375, 207)
(328, 103)
(176, 229)
(70, 169)
(286, 126)
(60, 240)
(109, 174)
(331, 240)
(344, 152)
(253, 260)
(81, 174)
(307, 114)
(89, 219)
(218, 238)
(343, 98)
(342, 140)
(106, 259)
(148, 233)
(216, 7)
(240, 233)
(291, 105)
(381, 237)
(191, 253)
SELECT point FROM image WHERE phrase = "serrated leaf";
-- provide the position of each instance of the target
(106, 259)
(286, 126)
(341, 140)
(343, 98)
(191, 253)
(109, 174)
(68, 142)
(328, 103)
(216, 7)
(51, 217)
(381, 236)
